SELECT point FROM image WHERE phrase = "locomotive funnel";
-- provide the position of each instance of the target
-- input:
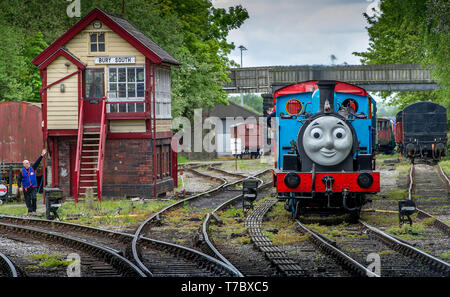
(326, 91)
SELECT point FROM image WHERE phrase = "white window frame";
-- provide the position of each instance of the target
(129, 107)
(163, 93)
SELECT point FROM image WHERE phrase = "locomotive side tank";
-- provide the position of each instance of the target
(421, 131)
(325, 147)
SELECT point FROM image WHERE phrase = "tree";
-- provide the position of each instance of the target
(193, 31)
(411, 32)
(251, 101)
(13, 66)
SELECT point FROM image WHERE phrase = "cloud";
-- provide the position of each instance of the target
(293, 32)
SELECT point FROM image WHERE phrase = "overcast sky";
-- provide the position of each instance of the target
(300, 32)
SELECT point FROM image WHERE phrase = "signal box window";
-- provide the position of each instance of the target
(97, 42)
(126, 83)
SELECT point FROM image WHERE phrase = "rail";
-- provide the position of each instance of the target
(438, 223)
(8, 266)
(78, 154)
(101, 151)
(206, 222)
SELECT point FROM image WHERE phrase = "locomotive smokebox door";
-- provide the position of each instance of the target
(53, 200)
(249, 191)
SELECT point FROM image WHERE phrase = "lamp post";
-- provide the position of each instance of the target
(242, 48)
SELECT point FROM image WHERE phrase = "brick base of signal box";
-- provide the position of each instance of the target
(127, 168)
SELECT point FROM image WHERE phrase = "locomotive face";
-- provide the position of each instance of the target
(327, 141)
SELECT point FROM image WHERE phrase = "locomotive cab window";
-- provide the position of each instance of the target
(350, 104)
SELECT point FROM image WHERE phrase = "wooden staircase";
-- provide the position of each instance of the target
(89, 159)
(90, 155)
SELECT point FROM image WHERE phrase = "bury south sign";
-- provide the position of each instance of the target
(115, 60)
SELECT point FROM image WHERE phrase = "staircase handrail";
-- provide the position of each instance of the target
(78, 154)
(101, 151)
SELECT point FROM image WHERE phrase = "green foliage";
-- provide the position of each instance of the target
(412, 32)
(251, 101)
(50, 261)
(445, 256)
(192, 31)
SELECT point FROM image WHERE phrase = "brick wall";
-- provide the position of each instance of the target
(127, 171)
(64, 170)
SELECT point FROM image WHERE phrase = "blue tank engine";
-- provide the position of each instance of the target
(325, 147)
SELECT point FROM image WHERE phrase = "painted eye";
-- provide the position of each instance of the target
(316, 133)
(339, 133)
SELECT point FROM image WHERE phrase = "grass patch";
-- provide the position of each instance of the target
(110, 212)
(445, 256)
(51, 261)
(182, 159)
(402, 168)
(397, 194)
(408, 232)
(445, 164)
(13, 210)
(336, 232)
(432, 199)
(380, 219)
(384, 156)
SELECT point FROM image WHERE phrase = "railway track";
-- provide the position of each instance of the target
(7, 267)
(198, 204)
(309, 260)
(97, 259)
(120, 243)
(398, 258)
(349, 248)
(244, 269)
(429, 189)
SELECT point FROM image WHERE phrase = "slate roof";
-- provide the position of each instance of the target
(232, 110)
(121, 26)
(144, 39)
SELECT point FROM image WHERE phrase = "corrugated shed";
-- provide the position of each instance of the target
(20, 131)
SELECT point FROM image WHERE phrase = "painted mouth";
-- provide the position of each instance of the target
(327, 153)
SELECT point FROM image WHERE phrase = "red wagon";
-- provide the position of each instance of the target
(20, 138)
(248, 136)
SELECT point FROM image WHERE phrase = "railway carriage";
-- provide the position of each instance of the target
(324, 151)
(385, 136)
(421, 131)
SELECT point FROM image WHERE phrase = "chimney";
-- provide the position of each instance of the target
(326, 92)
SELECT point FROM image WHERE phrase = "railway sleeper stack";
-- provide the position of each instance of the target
(274, 254)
